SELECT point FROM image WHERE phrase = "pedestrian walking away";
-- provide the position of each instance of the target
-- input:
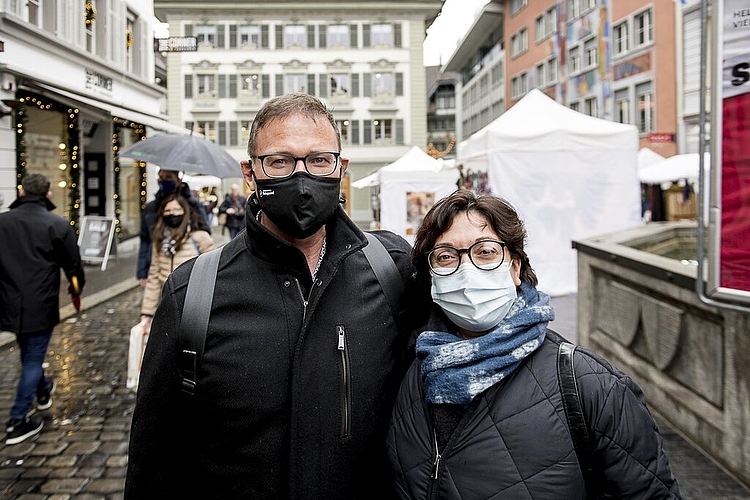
(34, 245)
(497, 405)
(303, 351)
(234, 209)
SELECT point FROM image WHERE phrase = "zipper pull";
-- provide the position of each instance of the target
(340, 332)
(436, 462)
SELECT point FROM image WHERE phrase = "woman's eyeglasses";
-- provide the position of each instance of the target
(485, 255)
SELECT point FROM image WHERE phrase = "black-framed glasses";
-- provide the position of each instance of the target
(485, 255)
(279, 165)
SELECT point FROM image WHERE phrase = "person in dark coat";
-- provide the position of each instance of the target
(480, 413)
(34, 245)
(303, 354)
(169, 182)
(234, 208)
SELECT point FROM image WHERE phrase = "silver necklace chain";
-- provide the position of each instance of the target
(320, 259)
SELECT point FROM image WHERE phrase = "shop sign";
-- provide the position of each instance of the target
(97, 82)
(176, 44)
(660, 137)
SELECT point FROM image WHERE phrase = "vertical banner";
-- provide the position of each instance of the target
(734, 43)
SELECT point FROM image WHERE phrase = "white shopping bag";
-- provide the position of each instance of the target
(138, 340)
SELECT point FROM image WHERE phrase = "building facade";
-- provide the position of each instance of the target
(441, 113)
(364, 59)
(612, 59)
(77, 86)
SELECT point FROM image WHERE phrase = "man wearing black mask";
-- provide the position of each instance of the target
(303, 354)
(169, 182)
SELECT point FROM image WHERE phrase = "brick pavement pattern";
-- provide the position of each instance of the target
(81, 453)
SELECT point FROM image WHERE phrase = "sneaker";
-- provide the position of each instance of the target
(21, 429)
(45, 401)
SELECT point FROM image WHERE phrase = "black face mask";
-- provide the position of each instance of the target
(300, 204)
(173, 221)
(167, 187)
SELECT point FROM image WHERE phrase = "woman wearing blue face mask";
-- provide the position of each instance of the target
(176, 239)
(480, 413)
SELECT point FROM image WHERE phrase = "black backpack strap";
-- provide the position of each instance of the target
(571, 399)
(385, 271)
(196, 312)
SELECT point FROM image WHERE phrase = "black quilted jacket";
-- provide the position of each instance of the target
(513, 440)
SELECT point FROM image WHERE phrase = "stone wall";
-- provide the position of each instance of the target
(692, 360)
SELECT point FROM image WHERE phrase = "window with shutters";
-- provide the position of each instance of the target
(382, 84)
(344, 130)
(208, 129)
(382, 35)
(206, 85)
(250, 37)
(294, 36)
(245, 131)
(382, 131)
(205, 35)
(338, 84)
(223, 133)
(250, 85)
(233, 138)
(294, 82)
(338, 36)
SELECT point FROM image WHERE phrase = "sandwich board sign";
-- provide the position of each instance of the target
(96, 238)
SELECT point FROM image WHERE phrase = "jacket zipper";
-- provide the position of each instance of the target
(304, 300)
(431, 490)
(345, 383)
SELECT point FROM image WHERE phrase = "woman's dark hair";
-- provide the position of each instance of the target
(500, 214)
(180, 233)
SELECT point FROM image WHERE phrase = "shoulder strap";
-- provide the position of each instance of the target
(385, 271)
(195, 314)
(571, 399)
(195, 245)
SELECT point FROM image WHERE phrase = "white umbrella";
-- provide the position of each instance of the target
(674, 168)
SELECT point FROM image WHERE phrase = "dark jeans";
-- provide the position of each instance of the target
(33, 382)
(234, 231)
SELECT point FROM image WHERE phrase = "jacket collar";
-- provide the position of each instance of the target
(28, 199)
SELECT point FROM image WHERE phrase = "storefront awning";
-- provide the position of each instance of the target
(116, 111)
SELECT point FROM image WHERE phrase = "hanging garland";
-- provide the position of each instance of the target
(138, 133)
(90, 13)
(71, 142)
(128, 39)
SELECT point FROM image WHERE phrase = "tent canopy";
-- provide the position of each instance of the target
(674, 168)
(418, 165)
(648, 157)
(569, 175)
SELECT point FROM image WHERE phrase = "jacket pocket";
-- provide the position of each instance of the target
(346, 380)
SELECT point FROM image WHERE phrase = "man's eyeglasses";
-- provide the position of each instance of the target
(281, 165)
(485, 255)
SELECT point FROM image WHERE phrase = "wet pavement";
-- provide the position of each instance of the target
(82, 451)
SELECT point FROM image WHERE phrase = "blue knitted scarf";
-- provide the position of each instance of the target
(455, 370)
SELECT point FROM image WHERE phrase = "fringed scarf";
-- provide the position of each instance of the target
(455, 370)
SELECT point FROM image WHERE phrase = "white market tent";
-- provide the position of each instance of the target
(672, 169)
(647, 157)
(569, 175)
(408, 188)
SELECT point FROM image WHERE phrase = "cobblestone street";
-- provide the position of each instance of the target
(82, 450)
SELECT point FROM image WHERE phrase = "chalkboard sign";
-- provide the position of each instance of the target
(95, 239)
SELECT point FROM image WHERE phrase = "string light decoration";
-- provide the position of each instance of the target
(128, 39)
(90, 13)
(71, 144)
(120, 127)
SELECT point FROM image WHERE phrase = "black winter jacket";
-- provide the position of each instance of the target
(148, 220)
(237, 219)
(296, 383)
(513, 441)
(34, 245)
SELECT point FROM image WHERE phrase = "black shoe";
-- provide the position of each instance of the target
(45, 401)
(21, 429)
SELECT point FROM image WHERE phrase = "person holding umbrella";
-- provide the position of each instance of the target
(170, 182)
(34, 245)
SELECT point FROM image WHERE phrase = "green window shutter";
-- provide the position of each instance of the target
(234, 139)
(368, 131)
(311, 84)
(265, 86)
(222, 86)
(367, 85)
(232, 36)
(279, 37)
(220, 38)
(310, 36)
(233, 86)
(399, 84)
(355, 84)
(355, 132)
(264, 36)
(397, 35)
(322, 36)
(399, 131)
(188, 86)
(279, 84)
(322, 85)
(353, 36)
(223, 133)
(366, 35)
(188, 30)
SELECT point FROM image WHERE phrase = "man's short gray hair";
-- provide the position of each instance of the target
(284, 106)
(35, 185)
